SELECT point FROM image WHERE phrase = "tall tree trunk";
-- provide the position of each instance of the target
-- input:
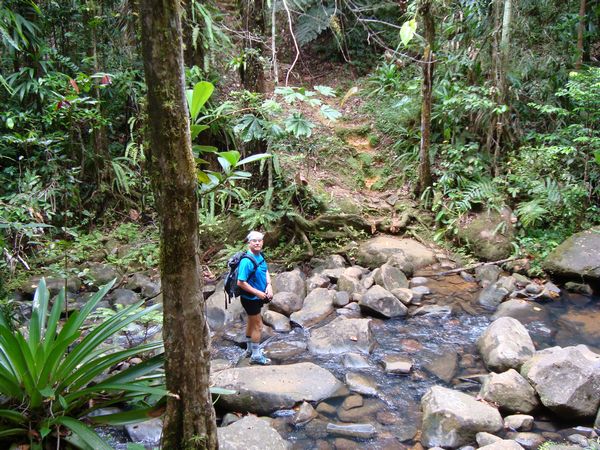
(190, 418)
(252, 72)
(580, 30)
(426, 91)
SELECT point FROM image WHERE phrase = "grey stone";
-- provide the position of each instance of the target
(489, 273)
(390, 277)
(317, 281)
(361, 384)
(342, 336)
(277, 321)
(317, 306)
(255, 386)
(483, 438)
(404, 295)
(147, 433)
(505, 344)
(518, 422)
(452, 418)
(359, 430)
(102, 274)
(492, 296)
(383, 302)
(418, 281)
(527, 440)
(396, 364)
(305, 414)
(579, 288)
(342, 298)
(407, 255)
(286, 303)
(250, 433)
(124, 297)
(503, 444)
(510, 391)
(355, 361)
(289, 282)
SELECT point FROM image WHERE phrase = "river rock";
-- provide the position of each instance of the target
(567, 380)
(142, 283)
(418, 281)
(147, 433)
(342, 298)
(487, 274)
(102, 274)
(286, 303)
(305, 414)
(482, 438)
(283, 350)
(317, 305)
(355, 361)
(361, 384)
(349, 283)
(264, 389)
(442, 365)
(53, 284)
(123, 297)
(317, 281)
(522, 310)
(491, 296)
(358, 430)
(289, 282)
(383, 302)
(353, 401)
(510, 391)
(407, 255)
(404, 295)
(505, 344)
(527, 440)
(518, 422)
(217, 314)
(277, 321)
(249, 433)
(488, 234)
(396, 364)
(342, 336)
(452, 418)
(503, 444)
(579, 288)
(390, 278)
(578, 257)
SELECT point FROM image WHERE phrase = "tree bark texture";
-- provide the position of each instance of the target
(580, 30)
(251, 72)
(426, 92)
(190, 417)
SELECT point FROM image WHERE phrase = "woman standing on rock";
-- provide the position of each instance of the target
(255, 284)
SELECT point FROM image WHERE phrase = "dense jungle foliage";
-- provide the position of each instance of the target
(515, 107)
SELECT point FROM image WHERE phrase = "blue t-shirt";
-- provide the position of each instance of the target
(258, 279)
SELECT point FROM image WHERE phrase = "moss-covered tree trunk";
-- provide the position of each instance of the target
(190, 418)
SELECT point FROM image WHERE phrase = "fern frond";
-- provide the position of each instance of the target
(531, 213)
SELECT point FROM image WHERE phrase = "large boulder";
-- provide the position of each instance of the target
(510, 391)
(409, 255)
(452, 418)
(264, 389)
(219, 312)
(390, 278)
(289, 282)
(381, 301)
(578, 257)
(566, 379)
(342, 336)
(488, 234)
(505, 344)
(286, 303)
(317, 305)
(248, 433)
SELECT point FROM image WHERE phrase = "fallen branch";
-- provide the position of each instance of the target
(474, 266)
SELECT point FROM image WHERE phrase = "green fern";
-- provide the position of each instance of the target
(311, 24)
(532, 213)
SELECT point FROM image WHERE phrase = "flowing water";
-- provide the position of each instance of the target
(442, 347)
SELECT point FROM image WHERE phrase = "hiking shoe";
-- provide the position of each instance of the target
(260, 359)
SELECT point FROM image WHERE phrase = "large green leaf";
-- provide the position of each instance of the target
(128, 417)
(201, 93)
(329, 113)
(408, 30)
(298, 125)
(228, 159)
(86, 434)
(195, 130)
(250, 128)
(252, 158)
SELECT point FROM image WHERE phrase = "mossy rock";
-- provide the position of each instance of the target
(488, 235)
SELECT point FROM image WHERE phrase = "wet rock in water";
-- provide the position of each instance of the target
(550, 291)
(305, 414)
(431, 310)
(264, 389)
(317, 306)
(418, 281)
(527, 440)
(342, 336)
(342, 298)
(277, 321)
(390, 278)
(146, 433)
(326, 409)
(382, 302)
(102, 274)
(510, 391)
(355, 361)
(521, 280)
(124, 297)
(522, 310)
(317, 281)
(492, 296)
(467, 277)
(250, 432)
(397, 364)
(289, 282)
(578, 257)
(349, 284)
(284, 350)
(503, 444)
(442, 365)
(353, 401)
(364, 413)
(451, 418)
(404, 295)
(505, 344)
(518, 422)
(566, 379)
(286, 303)
(579, 288)
(487, 274)
(358, 430)
(534, 289)
(361, 384)
(482, 438)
